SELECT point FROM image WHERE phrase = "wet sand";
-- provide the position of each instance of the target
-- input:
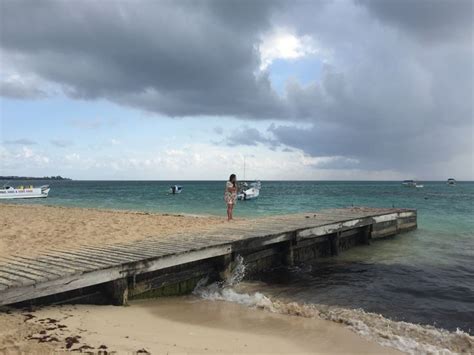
(176, 325)
(30, 229)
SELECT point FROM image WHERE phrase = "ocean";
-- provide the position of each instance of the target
(422, 277)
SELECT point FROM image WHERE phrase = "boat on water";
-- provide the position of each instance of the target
(451, 182)
(409, 183)
(412, 183)
(175, 189)
(249, 192)
(9, 192)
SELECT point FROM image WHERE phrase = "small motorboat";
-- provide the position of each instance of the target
(419, 186)
(9, 192)
(451, 182)
(175, 189)
(409, 183)
(249, 193)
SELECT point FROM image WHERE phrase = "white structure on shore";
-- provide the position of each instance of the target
(9, 192)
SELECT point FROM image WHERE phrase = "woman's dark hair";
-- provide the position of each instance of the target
(232, 177)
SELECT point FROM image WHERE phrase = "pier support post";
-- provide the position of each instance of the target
(334, 242)
(366, 235)
(289, 257)
(226, 266)
(117, 292)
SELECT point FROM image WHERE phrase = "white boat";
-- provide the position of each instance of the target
(249, 193)
(175, 189)
(9, 192)
(409, 183)
(419, 186)
(451, 182)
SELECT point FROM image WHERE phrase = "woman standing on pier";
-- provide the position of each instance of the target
(230, 195)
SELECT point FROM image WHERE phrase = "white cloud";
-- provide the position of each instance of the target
(22, 159)
(283, 44)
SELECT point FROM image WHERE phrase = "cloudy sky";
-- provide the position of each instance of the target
(363, 89)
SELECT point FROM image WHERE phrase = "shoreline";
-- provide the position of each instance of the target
(37, 228)
(175, 325)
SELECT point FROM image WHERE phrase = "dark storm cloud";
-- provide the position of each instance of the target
(248, 136)
(428, 19)
(397, 93)
(177, 58)
(388, 100)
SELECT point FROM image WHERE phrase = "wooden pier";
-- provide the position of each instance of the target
(157, 266)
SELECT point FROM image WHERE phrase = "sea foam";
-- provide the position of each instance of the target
(407, 337)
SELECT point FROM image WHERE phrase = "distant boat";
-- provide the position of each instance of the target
(249, 193)
(175, 189)
(412, 183)
(409, 183)
(9, 192)
(451, 182)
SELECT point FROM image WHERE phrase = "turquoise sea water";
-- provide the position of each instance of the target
(425, 276)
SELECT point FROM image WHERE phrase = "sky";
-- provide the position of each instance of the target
(185, 90)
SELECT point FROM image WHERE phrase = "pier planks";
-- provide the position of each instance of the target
(24, 278)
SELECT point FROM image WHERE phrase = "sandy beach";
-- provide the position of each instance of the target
(174, 325)
(166, 325)
(33, 229)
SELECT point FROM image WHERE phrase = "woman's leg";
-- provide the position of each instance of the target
(229, 213)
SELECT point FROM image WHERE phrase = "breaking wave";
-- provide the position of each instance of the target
(407, 337)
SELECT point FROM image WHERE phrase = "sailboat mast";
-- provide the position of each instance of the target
(244, 168)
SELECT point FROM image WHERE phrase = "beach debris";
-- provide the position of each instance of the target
(48, 320)
(84, 348)
(143, 351)
(70, 341)
(28, 316)
(43, 338)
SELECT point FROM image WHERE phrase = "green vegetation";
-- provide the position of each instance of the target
(59, 177)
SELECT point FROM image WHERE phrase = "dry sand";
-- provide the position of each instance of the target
(175, 325)
(32, 229)
(169, 325)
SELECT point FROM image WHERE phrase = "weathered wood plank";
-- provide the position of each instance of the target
(109, 254)
(33, 265)
(16, 280)
(71, 259)
(65, 265)
(81, 257)
(18, 294)
(130, 250)
(61, 270)
(86, 254)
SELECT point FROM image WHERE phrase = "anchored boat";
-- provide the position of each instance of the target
(451, 182)
(9, 192)
(175, 189)
(412, 183)
(249, 193)
(409, 183)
